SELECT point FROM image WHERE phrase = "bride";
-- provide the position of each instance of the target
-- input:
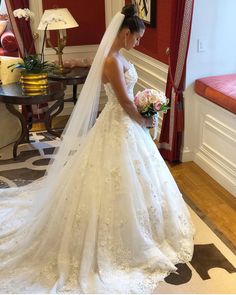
(108, 216)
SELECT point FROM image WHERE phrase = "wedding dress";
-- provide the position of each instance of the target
(119, 226)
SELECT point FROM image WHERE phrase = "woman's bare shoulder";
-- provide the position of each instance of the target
(112, 69)
(112, 62)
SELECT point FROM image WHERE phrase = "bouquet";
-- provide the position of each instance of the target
(149, 102)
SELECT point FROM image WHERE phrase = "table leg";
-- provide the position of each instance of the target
(29, 115)
(24, 130)
(74, 94)
(59, 104)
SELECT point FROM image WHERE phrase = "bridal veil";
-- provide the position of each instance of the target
(44, 198)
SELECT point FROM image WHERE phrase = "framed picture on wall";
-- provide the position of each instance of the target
(146, 11)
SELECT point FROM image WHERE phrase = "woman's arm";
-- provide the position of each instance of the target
(113, 72)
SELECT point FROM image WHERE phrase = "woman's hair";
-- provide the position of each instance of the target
(131, 20)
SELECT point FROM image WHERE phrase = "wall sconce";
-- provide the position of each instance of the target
(58, 19)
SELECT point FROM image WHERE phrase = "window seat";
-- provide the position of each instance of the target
(212, 120)
(221, 90)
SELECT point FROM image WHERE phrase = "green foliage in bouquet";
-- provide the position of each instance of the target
(33, 64)
(150, 110)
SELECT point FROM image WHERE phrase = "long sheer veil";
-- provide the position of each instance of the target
(45, 200)
(84, 114)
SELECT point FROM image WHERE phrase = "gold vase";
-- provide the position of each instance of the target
(33, 84)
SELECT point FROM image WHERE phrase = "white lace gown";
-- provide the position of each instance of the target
(119, 224)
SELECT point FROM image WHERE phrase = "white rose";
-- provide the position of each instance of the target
(143, 101)
(153, 98)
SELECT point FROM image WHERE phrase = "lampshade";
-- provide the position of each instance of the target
(57, 19)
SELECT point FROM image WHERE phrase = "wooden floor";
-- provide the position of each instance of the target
(206, 194)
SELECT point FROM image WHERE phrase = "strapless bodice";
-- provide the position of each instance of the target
(131, 78)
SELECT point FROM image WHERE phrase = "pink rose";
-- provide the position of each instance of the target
(157, 106)
(136, 100)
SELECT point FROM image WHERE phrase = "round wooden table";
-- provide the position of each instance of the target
(12, 94)
(73, 76)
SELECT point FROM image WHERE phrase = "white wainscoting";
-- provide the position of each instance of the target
(152, 73)
(215, 142)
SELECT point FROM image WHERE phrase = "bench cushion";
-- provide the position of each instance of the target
(219, 89)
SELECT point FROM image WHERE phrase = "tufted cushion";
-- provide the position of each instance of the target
(3, 24)
(4, 52)
(8, 41)
(219, 89)
(6, 75)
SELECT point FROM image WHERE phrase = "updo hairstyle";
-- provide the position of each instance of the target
(131, 20)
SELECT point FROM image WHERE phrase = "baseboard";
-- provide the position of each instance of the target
(186, 155)
(216, 171)
(218, 167)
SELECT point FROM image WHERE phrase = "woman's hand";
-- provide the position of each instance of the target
(150, 122)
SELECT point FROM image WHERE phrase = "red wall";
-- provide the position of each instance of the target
(156, 40)
(92, 25)
(90, 17)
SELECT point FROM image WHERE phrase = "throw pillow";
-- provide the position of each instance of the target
(8, 41)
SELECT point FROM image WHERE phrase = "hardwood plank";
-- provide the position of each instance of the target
(217, 204)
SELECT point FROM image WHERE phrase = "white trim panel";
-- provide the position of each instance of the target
(152, 73)
(215, 142)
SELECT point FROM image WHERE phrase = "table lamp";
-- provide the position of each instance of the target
(58, 19)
